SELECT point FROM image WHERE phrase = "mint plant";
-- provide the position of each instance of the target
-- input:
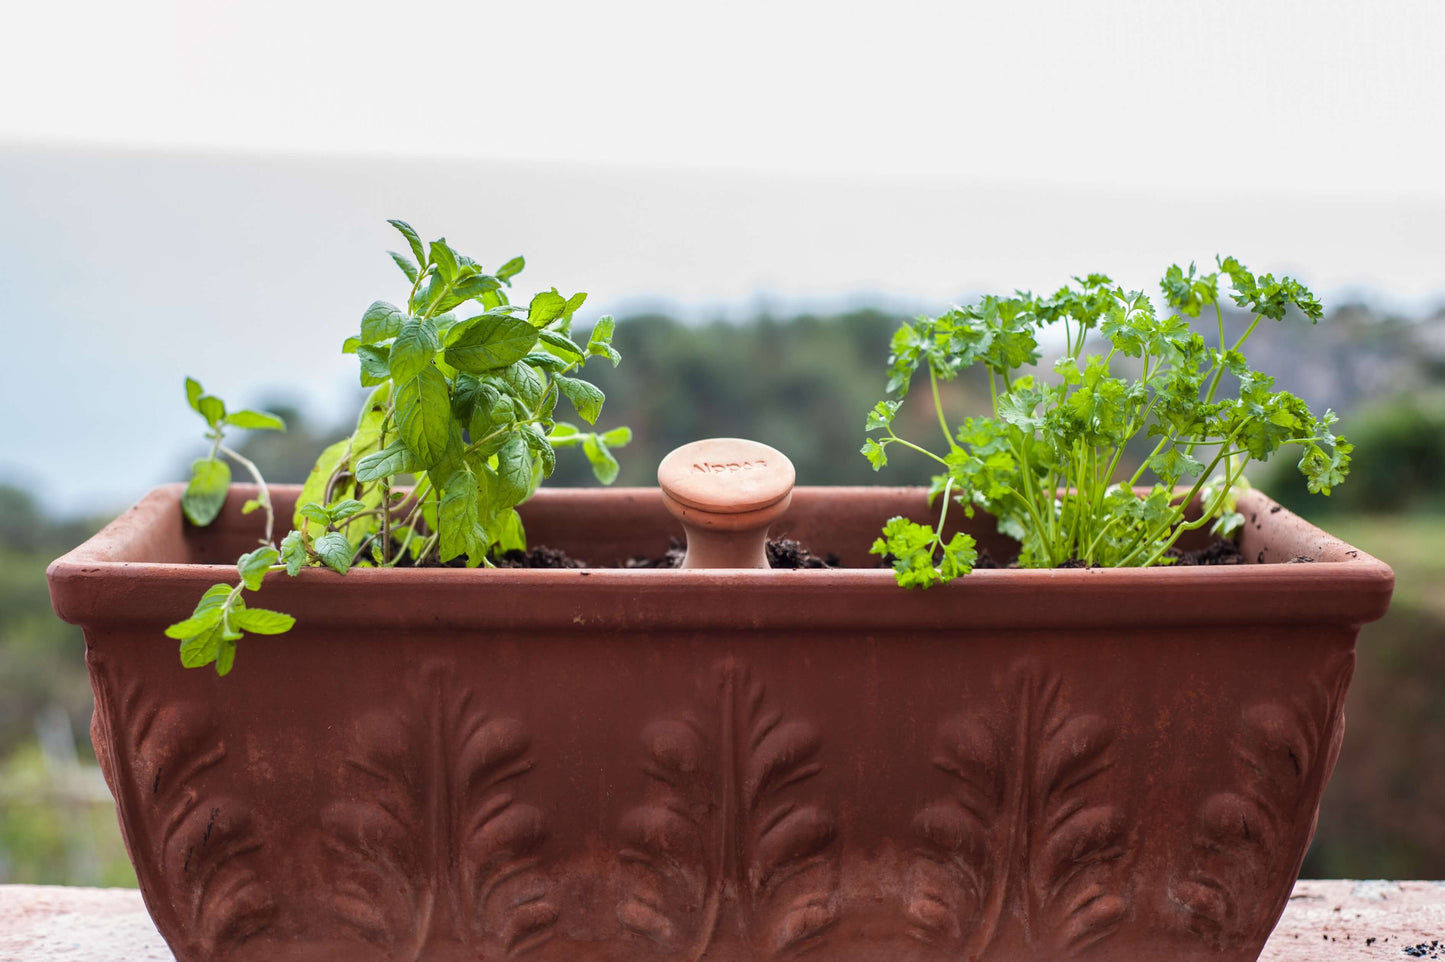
(1047, 462)
(458, 430)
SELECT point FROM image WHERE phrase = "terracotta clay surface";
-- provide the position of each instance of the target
(624, 764)
(726, 492)
(1332, 921)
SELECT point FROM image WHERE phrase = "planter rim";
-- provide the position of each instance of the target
(108, 580)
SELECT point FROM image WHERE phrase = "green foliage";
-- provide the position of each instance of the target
(1403, 440)
(1047, 462)
(461, 408)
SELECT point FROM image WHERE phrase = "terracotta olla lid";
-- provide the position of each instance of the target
(726, 476)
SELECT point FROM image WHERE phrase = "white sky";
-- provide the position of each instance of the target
(1312, 95)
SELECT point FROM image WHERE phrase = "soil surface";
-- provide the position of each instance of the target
(785, 553)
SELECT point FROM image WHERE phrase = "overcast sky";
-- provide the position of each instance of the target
(186, 185)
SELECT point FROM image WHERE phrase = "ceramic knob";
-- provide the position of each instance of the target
(726, 492)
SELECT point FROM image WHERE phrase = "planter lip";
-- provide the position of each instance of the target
(106, 580)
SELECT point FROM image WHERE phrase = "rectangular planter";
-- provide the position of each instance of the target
(654, 764)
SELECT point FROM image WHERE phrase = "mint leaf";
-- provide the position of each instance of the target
(375, 363)
(206, 492)
(424, 415)
(195, 624)
(585, 397)
(413, 349)
(254, 565)
(445, 259)
(200, 650)
(335, 551)
(255, 421)
(511, 269)
(213, 409)
(342, 510)
(599, 344)
(193, 394)
(405, 263)
(412, 240)
(604, 465)
(381, 322)
(293, 553)
(395, 458)
(491, 343)
(617, 437)
(262, 621)
(457, 516)
(546, 308)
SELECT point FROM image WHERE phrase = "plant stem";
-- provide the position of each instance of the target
(263, 491)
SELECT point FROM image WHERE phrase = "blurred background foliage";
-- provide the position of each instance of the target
(803, 384)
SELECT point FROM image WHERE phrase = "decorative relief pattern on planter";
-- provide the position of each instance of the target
(427, 842)
(722, 847)
(200, 874)
(1023, 832)
(1283, 753)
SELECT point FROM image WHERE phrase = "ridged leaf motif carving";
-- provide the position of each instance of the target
(203, 887)
(723, 846)
(429, 844)
(1283, 752)
(1023, 837)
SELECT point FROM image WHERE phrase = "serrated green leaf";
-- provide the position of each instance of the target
(253, 566)
(213, 409)
(263, 621)
(412, 239)
(395, 458)
(200, 650)
(206, 492)
(195, 624)
(255, 421)
(424, 415)
(562, 347)
(514, 470)
(405, 263)
(546, 308)
(875, 453)
(604, 465)
(342, 510)
(335, 551)
(585, 397)
(457, 516)
(511, 269)
(293, 552)
(193, 394)
(617, 437)
(375, 363)
(599, 344)
(491, 343)
(444, 258)
(413, 349)
(226, 655)
(381, 322)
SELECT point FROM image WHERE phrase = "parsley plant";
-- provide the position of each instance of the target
(1047, 463)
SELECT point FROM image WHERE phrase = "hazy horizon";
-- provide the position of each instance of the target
(132, 269)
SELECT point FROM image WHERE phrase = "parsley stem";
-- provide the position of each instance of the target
(909, 444)
(938, 407)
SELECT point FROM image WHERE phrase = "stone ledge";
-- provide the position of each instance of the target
(1328, 920)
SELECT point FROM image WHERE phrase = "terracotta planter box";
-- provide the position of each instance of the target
(643, 764)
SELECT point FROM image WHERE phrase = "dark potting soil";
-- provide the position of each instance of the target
(782, 553)
(787, 554)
